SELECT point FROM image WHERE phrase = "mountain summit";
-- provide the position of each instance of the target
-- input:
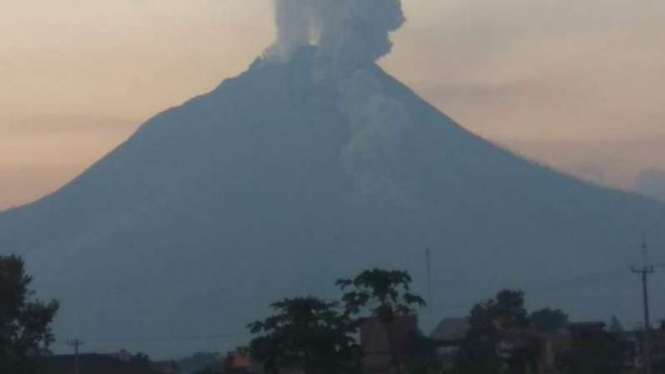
(288, 177)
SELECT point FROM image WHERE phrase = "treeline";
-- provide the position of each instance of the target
(310, 335)
(25, 332)
(313, 336)
(503, 337)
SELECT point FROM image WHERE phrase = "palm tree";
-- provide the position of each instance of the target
(383, 295)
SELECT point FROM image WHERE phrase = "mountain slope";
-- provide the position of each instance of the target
(241, 196)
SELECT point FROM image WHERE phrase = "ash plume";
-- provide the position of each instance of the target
(349, 33)
(378, 125)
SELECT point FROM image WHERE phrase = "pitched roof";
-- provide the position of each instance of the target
(89, 364)
(451, 329)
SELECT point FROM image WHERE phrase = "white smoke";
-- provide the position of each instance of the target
(349, 33)
(378, 125)
(294, 26)
(350, 36)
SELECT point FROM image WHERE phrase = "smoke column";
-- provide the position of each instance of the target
(349, 33)
(294, 19)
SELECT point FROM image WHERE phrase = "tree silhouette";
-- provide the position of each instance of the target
(308, 334)
(490, 322)
(24, 321)
(383, 295)
(615, 326)
(592, 352)
(548, 320)
(140, 359)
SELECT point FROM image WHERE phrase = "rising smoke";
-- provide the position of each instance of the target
(378, 125)
(349, 33)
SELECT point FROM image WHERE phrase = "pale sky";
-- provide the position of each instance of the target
(575, 84)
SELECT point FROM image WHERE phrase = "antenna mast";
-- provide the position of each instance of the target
(430, 302)
(644, 272)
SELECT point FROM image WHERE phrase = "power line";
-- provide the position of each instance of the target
(430, 301)
(76, 343)
(582, 279)
(574, 281)
(644, 272)
(174, 338)
(168, 338)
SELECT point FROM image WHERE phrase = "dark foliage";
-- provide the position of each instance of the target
(615, 326)
(140, 359)
(548, 320)
(308, 334)
(499, 319)
(24, 321)
(381, 294)
(593, 352)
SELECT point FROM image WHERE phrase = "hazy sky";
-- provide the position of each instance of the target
(576, 84)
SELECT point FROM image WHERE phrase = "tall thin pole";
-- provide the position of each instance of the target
(645, 271)
(76, 344)
(430, 302)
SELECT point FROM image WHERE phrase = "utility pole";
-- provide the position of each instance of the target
(430, 302)
(76, 344)
(644, 272)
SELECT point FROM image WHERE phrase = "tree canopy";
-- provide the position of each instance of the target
(489, 323)
(548, 320)
(318, 337)
(383, 295)
(306, 333)
(597, 352)
(24, 320)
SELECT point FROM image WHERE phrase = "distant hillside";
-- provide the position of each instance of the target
(651, 183)
(276, 184)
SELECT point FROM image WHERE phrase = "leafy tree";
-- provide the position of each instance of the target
(478, 350)
(383, 295)
(423, 357)
(489, 323)
(24, 321)
(508, 310)
(615, 326)
(140, 359)
(305, 333)
(548, 320)
(592, 352)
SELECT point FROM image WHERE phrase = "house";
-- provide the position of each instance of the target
(543, 347)
(549, 345)
(90, 364)
(448, 337)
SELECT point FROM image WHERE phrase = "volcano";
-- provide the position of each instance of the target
(278, 182)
